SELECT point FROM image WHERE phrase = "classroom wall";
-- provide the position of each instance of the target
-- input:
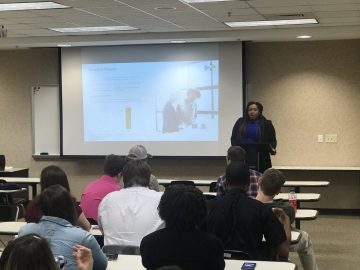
(307, 88)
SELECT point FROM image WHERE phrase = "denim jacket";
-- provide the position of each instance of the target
(62, 236)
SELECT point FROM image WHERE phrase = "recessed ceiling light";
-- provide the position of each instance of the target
(64, 45)
(204, 1)
(93, 29)
(30, 6)
(165, 8)
(304, 37)
(271, 23)
(178, 41)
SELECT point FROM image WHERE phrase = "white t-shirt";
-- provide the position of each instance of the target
(126, 216)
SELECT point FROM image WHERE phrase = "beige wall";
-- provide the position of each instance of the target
(307, 88)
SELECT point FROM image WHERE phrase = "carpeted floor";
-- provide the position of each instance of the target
(336, 241)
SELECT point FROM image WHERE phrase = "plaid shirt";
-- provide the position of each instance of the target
(222, 187)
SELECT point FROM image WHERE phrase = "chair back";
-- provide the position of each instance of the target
(236, 255)
(213, 187)
(2, 162)
(121, 249)
(182, 182)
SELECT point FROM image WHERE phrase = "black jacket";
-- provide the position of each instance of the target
(267, 136)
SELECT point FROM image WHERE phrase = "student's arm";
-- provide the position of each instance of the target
(83, 222)
(283, 248)
(100, 260)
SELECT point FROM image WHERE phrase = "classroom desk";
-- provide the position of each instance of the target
(14, 172)
(301, 197)
(11, 227)
(33, 182)
(298, 184)
(203, 183)
(306, 214)
(133, 262)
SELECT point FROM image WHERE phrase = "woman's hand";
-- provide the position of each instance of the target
(83, 257)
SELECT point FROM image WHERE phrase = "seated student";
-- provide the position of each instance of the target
(97, 190)
(126, 216)
(29, 252)
(181, 243)
(52, 175)
(270, 185)
(32, 252)
(237, 153)
(139, 152)
(241, 222)
(57, 226)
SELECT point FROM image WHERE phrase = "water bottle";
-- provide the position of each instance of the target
(293, 199)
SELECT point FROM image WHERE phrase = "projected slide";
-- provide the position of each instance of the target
(151, 101)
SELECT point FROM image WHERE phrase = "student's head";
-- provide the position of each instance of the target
(235, 153)
(53, 175)
(56, 201)
(271, 182)
(182, 207)
(138, 152)
(29, 252)
(136, 173)
(237, 175)
(113, 165)
(254, 110)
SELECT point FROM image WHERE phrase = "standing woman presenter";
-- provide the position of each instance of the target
(254, 128)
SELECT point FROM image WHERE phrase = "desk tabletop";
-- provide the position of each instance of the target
(24, 180)
(306, 183)
(133, 262)
(306, 214)
(11, 169)
(197, 182)
(207, 182)
(11, 227)
(302, 197)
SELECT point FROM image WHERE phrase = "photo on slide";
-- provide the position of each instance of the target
(151, 101)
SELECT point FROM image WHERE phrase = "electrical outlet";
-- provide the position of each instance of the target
(320, 138)
(331, 138)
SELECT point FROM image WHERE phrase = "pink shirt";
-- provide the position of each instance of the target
(94, 193)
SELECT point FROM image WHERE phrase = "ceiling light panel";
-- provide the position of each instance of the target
(271, 23)
(30, 6)
(94, 29)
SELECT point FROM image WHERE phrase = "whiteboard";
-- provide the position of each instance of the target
(46, 119)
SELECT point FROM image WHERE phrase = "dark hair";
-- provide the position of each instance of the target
(271, 181)
(53, 175)
(56, 201)
(236, 153)
(136, 172)
(29, 252)
(237, 174)
(113, 165)
(182, 207)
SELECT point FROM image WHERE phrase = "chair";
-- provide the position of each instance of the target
(121, 249)
(92, 221)
(10, 202)
(213, 187)
(182, 182)
(2, 163)
(236, 255)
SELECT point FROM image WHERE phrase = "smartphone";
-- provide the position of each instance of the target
(111, 256)
(248, 266)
